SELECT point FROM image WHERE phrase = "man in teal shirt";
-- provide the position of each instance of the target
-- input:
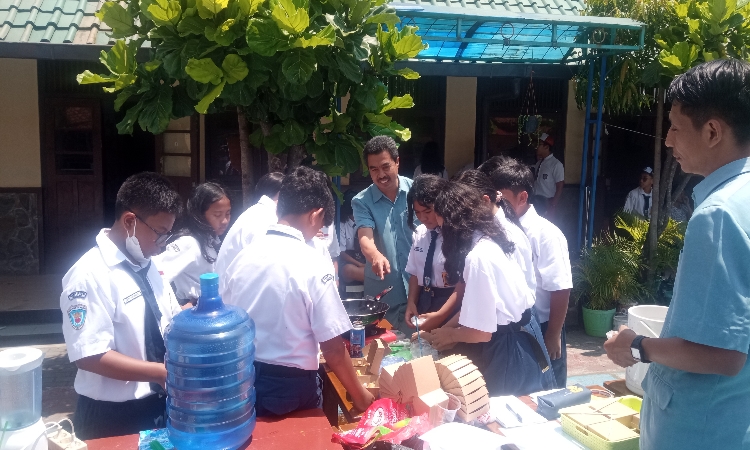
(698, 385)
(384, 235)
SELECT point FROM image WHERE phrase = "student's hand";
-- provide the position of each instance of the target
(431, 321)
(424, 335)
(553, 341)
(442, 338)
(362, 401)
(380, 266)
(411, 311)
(618, 347)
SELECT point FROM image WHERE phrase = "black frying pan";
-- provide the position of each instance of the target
(368, 311)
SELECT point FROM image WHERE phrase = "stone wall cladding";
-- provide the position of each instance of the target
(19, 233)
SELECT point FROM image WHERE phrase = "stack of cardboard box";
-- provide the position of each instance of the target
(414, 382)
(458, 376)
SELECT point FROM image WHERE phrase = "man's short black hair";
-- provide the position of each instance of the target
(493, 164)
(513, 175)
(268, 185)
(303, 190)
(716, 89)
(148, 194)
(380, 144)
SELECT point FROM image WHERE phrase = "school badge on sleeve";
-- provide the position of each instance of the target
(77, 316)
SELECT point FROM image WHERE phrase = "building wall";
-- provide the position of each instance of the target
(460, 122)
(20, 159)
(575, 122)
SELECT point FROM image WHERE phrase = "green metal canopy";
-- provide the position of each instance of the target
(499, 35)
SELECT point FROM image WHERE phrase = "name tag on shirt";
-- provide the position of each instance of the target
(132, 297)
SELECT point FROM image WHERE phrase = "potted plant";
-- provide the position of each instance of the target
(605, 275)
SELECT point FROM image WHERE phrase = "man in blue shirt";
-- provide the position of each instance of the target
(698, 385)
(384, 235)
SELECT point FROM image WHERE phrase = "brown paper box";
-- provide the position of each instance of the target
(429, 403)
(371, 384)
(467, 417)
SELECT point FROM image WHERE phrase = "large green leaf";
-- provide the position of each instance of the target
(349, 67)
(91, 78)
(265, 38)
(165, 12)
(208, 9)
(357, 13)
(121, 82)
(326, 36)
(299, 65)
(398, 102)
(288, 17)
(123, 96)
(202, 106)
(721, 9)
(235, 69)
(408, 46)
(239, 93)
(408, 73)
(192, 25)
(157, 111)
(120, 59)
(347, 156)
(204, 71)
(131, 117)
(686, 53)
(117, 18)
(249, 7)
(294, 133)
(225, 34)
(671, 62)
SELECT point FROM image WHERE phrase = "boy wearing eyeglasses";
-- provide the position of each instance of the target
(639, 199)
(116, 306)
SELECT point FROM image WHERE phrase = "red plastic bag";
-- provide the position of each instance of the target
(385, 420)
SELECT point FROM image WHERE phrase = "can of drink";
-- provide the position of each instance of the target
(356, 340)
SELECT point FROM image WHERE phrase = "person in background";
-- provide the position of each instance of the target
(495, 326)
(638, 201)
(697, 389)
(431, 161)
(352, 265)
(116, 307)
(549, 249)
(681, 209)
(192, 251)
(382, 228)
(255, 220)
(550, 178)
(329, 244)
(287, 287)
(429, 289)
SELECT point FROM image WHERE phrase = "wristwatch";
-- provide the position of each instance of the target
(636, 349)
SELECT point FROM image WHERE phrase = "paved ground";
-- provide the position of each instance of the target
(587, 364)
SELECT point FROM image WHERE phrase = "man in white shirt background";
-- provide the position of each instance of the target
(550, 178)
(638, 201)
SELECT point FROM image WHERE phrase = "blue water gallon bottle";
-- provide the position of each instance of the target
(210, 374)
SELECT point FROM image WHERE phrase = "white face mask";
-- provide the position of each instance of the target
(134, 248)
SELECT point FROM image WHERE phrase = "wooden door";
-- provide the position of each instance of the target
(177, 154)
(72, 158)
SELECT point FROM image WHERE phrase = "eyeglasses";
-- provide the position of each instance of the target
(161, 238)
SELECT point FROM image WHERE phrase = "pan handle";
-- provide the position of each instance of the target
(385, 291)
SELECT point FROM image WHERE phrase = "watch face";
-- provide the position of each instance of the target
(636, 354)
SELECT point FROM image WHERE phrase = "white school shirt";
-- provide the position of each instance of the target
(496, 291)
(182, 263)
(522, 253)
(549, 172)
(348, 235)
(551, 259)
(330, 240)
(103, 309)
(255, 220)
(418, 258)
(288, 289)
(635, 202)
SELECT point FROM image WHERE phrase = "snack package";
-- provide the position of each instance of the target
(385, 420)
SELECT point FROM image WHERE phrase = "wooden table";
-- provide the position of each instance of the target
(334, 397)
(301, 429)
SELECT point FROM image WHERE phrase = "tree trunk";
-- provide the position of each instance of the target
(296, 154)
(246, 162)
(653, 236)
(276, 163)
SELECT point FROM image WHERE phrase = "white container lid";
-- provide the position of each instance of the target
(20, 359)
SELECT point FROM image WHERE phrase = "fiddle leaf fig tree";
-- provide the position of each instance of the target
(281, 63)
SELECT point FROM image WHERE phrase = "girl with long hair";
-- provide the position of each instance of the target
(495, 327)
(429, 290)
(193, 249)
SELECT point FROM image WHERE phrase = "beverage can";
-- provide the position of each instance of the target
(356, 340)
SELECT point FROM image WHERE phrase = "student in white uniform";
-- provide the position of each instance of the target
(352, 264)
(551, 262)
(288, 289)
(431, 162)
(115, 307)
(255, 220)
(550, 177)
(495, 327)
(193, 250)
(638, 201)
(430, 294)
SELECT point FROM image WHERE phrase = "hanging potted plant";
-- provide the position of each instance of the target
(605, 275)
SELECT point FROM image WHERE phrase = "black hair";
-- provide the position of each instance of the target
(380, 144)
(481, 182)
(148, 194)
(268, 185)
(194, 223)
(513, 175)
(346, 207)
(431, 161)
(718, 88)
(462, 211)
(424, 190)
(492, 164)
(303, 190)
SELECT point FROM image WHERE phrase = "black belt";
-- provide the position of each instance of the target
(274, 370)
(516, 327)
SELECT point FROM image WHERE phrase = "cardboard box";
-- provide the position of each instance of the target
(370, 382)
(430, 404)
(376, 350)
